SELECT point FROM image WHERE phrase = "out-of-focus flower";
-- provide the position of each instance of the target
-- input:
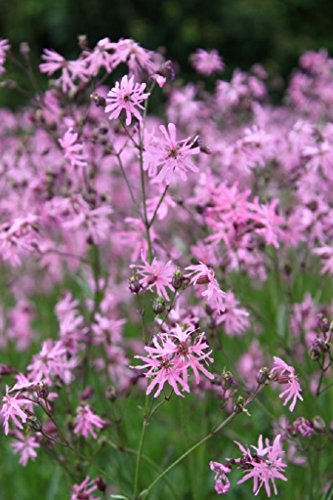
(207, 62)
(86, 421)
(285, 375)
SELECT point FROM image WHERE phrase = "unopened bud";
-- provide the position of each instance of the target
(98, 100)
(319, 423)
(263, 375)
(227, 380)
(177, 279)
(101, 485)
(239, 405)
(134, 284)
(87, 393)
(25, 49)
(159, 305)
(314, 353)
(111, 394)
(83, 42)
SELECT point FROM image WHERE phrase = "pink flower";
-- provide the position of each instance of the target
(138, 59)
(126, 96)
(170, 358)
(264, 466)
(26, 446)
(100, 57)
(13, 409)
(84, 490)
(235, 319)
(200, 274)
(326, 255)
(73, 149)
(174, 157)
(156, 276)
(52, 361)
(86, 421)
(207, 62)
(71, 71)
(4, 47)
(222, 483)
(285, 375)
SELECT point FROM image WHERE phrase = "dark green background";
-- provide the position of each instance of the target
(274, 32)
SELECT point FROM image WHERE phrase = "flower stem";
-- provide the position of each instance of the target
(140, 449)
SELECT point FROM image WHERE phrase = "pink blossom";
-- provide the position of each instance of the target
(222, 482)
(73, 149)
(170, 358)
(4, 47)
(200, 274)
(71, 71)
(126, 96)
(235, 319)
(207, 62)
(26, 446)
(172, 156)
(285, 375)
(326, 255)
(86, 421)
(266, 465)
(100, 57)
(156, 276)
(52, 361)
(84, 490)
(13, 409)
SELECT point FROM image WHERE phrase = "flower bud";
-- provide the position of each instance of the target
(87, 393)
(98, 100)
(319, 423)
(227, 380)
(134, 284)
(177, 280)
(101, 485)
(263, 375)
(159, 305)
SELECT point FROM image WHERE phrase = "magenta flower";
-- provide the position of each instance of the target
(52, 361)
(170, 358)
(73, 149)
(13, 409)
(200, 274)
(156, 276)
(264, 466)
(86, 421)
(26, 446)
(222, 482)
(235, 319)
(172, 156)
(71, 71)
(4, 47)
(84, 490)
(285, 375)
(207, 62)
(100, 57)
(126, 96)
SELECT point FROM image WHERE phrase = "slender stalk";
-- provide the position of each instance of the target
(211, 434)
(144, 198)
(140, 449)
(152, 220)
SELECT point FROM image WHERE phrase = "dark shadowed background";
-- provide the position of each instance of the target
(273, 32)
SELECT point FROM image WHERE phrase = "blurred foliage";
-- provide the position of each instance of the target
(274, 32)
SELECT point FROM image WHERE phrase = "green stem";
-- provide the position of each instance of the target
(211, 434)
(152, 220)
(140, 449)
(144, 198)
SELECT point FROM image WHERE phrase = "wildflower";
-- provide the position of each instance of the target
(137, 58)
(285, 375)
(222, 482)
(264, 466)
(200, 274)
(156, 276)
(52, 361)
(207, 62)
(172, 156)
(26, 446)
(71, 71)
(13, 409)
(326, 255)
(4, 47)
(73, 149)
(100, 57)
(86, 421)
(126, 96)
(170, 358)
(235, 319)
(84, 490)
